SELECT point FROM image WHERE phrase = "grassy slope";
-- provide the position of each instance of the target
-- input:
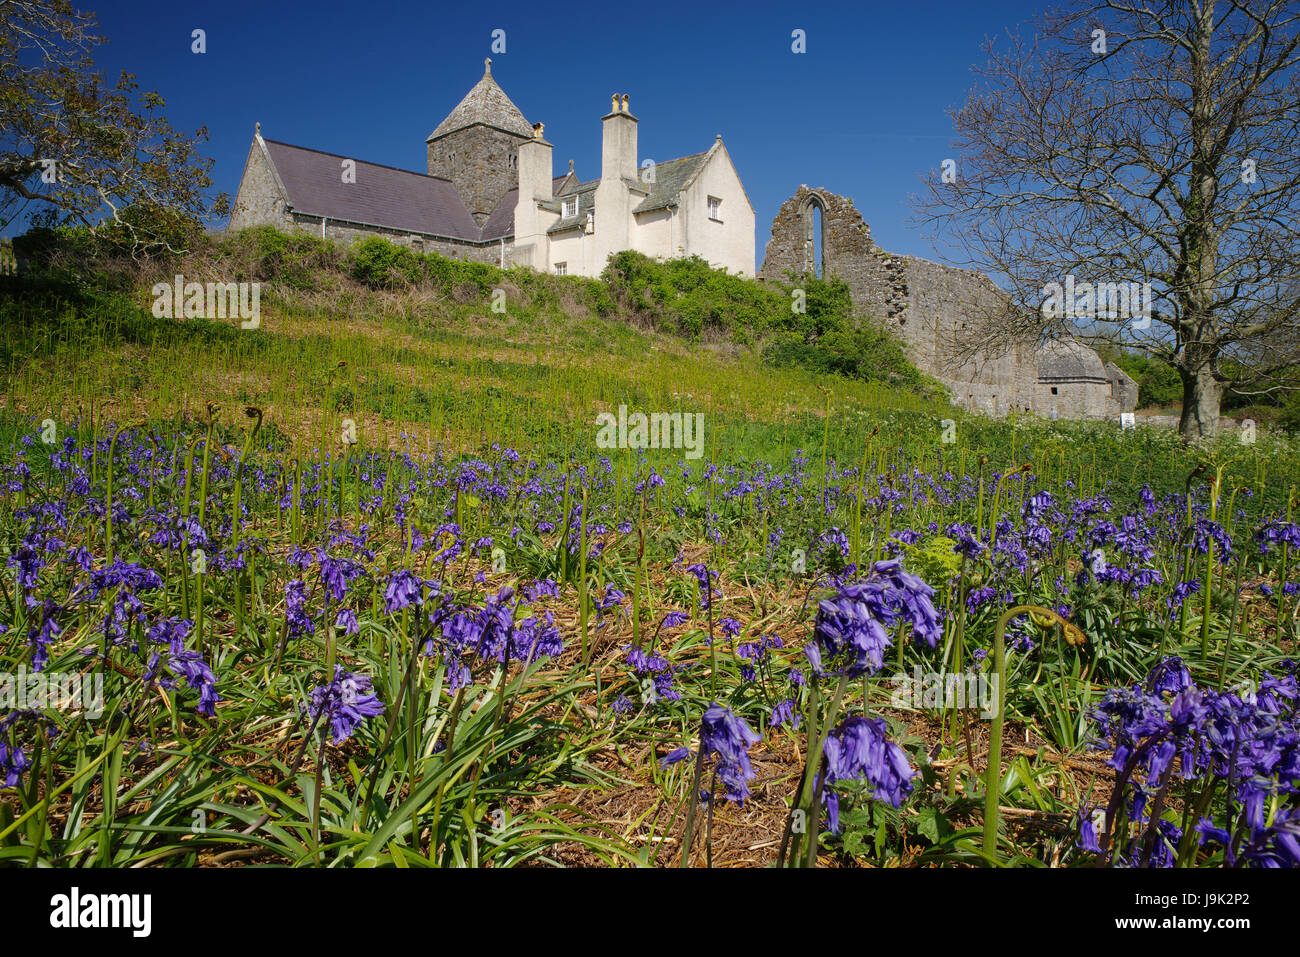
(426, 367)
(417, 363)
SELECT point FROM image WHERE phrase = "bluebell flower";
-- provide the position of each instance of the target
(674, 618)
(859, 749)
(726, 735)
(785, 713)
(680, 754)
(346, 702)
(403, 591)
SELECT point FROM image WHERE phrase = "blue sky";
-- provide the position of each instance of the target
(863, 112)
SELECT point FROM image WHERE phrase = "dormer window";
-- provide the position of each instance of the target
(715, 209)
(571, 208)
(591, 222)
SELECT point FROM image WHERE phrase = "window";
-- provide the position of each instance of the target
(512, 160)
(1053, 390)
(561, 269)
(571, 208)
(591, 222)
(715, 209)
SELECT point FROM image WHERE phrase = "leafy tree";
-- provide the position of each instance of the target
(1289, 418)
(85, 152)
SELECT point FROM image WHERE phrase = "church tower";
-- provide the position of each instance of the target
(477, 146)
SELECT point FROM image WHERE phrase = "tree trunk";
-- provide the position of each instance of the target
(1202, 394)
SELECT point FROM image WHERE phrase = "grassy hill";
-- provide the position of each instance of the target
(422, 351)
(424, 356)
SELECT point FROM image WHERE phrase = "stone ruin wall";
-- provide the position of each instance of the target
(934, 309)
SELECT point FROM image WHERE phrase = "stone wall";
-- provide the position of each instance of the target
(348, 233)
(481, 162)
(261, 199)
(1123, 387)
(937, 310)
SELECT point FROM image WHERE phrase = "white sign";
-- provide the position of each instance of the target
(1127, 421)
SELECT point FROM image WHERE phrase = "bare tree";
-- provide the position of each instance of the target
(81, 151)
(1145, 142)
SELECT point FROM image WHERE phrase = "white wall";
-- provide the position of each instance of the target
(652, 235)
(729, 244)
(576, 250)
(664, 233)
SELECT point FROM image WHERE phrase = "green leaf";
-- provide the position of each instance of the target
(929, 823)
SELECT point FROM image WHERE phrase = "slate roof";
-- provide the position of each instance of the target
(670, 177)
(1063, 360)
(558, 187)
(381, 196)
(502, 221)
(385, 196)
(488, 104)
(1115, 372)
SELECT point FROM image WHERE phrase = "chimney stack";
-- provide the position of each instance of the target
(618, 141)
(534, 183)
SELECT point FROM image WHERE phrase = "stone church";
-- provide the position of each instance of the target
(490, 194)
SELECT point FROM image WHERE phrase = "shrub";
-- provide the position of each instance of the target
(296, 260)
(379, 264)
(689, 297)
(1159, 384)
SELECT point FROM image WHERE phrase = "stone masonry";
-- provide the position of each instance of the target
(936, 310)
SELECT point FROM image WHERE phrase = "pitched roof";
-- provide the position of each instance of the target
(1115, 372)
(585, 194)
(1069, 359)
(381, 196)
(558, 183)
(502, 221)
(670, 178)
(488, 104)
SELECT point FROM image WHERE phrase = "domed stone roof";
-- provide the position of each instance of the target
(1063, 360)
(488, 104)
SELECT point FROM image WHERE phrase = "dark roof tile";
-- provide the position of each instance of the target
(381, 196)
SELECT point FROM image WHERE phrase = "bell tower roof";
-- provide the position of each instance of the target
(486, 104)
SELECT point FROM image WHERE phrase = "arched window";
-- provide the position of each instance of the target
(818, 251)
(814, 236)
